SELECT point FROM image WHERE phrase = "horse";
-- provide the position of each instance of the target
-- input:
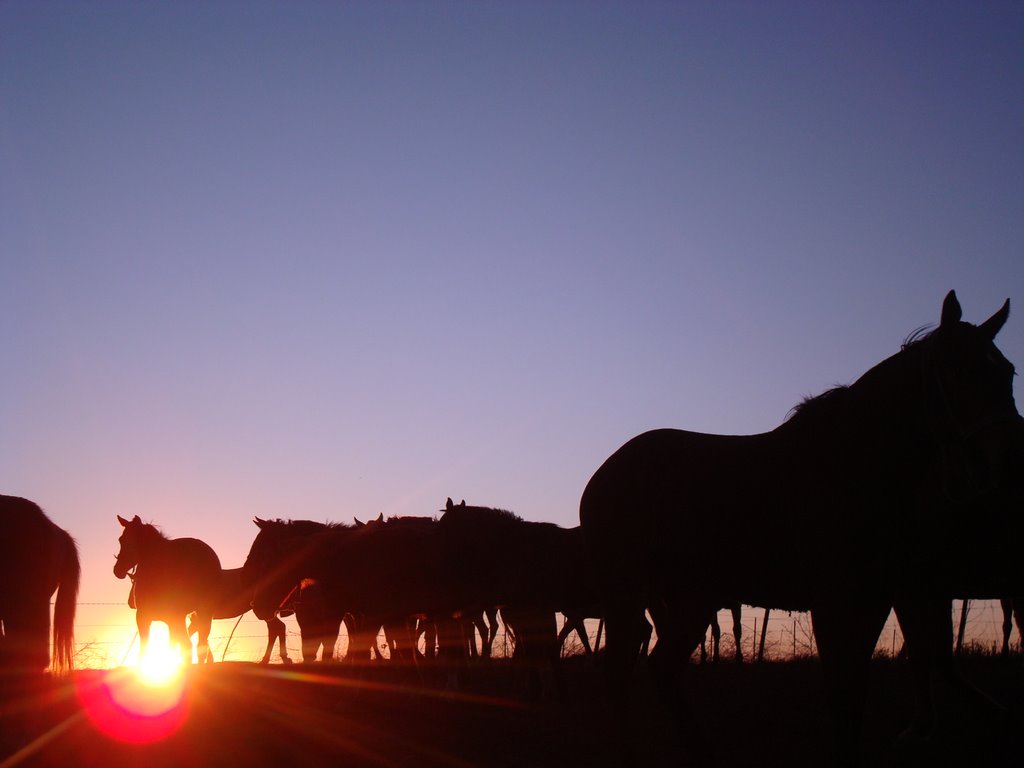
(345, 563)
(173, 578)
(37, 558)
(234, 600)
(861, 494)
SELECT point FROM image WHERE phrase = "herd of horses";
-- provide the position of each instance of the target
(900, 491)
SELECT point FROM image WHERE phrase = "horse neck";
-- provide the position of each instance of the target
(878, 423)
(151, 543)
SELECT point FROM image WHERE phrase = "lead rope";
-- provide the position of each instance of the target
(228, 645)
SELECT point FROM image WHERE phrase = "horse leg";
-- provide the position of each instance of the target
(928, 632)
(846, 635)
(716, 636)
(178, 638)
(26, 634)
(204, 654)
(581, 630)
(142, 623)
(680, 626)
(737, 629)
(492, 632)
(1007, 606)
(275, 632)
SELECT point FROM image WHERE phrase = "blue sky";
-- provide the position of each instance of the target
(331, 259)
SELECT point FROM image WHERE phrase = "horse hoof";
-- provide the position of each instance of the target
(286, 660)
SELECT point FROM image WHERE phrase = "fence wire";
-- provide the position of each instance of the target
(105, 632)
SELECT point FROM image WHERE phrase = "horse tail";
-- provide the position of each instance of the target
(65, 605)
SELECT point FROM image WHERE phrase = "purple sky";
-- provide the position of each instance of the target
(331, 259)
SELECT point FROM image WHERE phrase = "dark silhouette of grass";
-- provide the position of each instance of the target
(765, 714)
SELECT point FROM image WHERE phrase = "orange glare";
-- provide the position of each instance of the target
(141, 704)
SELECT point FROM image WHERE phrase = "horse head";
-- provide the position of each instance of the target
(272, 568)
(132, 543)
(968, 400)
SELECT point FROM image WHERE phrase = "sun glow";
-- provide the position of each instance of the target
(160, 666)
(143, 703)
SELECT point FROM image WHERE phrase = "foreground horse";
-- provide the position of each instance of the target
(36, 558)
(234, 599)
(860, 495)
(173, 578)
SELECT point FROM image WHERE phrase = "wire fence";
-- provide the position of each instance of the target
(107, 636)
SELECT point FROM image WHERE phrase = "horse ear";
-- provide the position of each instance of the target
(380, 518)
(122, 521)
(137, 519)
(449, 504)
(260, 523)
(994, 324)
(462, 503)
(951, 312)
(359, 523)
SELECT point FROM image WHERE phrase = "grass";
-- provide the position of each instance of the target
(765, 714)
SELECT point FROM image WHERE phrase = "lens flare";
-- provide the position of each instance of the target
(141, 704)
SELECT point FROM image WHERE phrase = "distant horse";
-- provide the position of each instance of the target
(173, 578)
(516, 564)
(860, 495)
(36, 559)
(379, 574)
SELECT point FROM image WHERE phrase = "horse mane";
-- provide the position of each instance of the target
(917, 335)
(491, 513)
(151, 529)
(303, 527)
(822, 406)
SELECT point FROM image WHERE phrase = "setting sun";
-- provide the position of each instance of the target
(161, 665)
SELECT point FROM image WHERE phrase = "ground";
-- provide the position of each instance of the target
(238, 714)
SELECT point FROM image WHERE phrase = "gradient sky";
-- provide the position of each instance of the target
(325, 260)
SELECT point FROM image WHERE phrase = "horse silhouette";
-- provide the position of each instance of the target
(861, 496)
(345, 564)
(173, 578)
(234, 599)
(37, 558)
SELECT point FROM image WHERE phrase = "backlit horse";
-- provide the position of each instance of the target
(37, 558)
(234, 599)
(860, 496)
(373, 573)
(516, 564)
(173, 578)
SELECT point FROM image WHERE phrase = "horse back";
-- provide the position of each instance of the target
(669, 505)
(32, 550)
